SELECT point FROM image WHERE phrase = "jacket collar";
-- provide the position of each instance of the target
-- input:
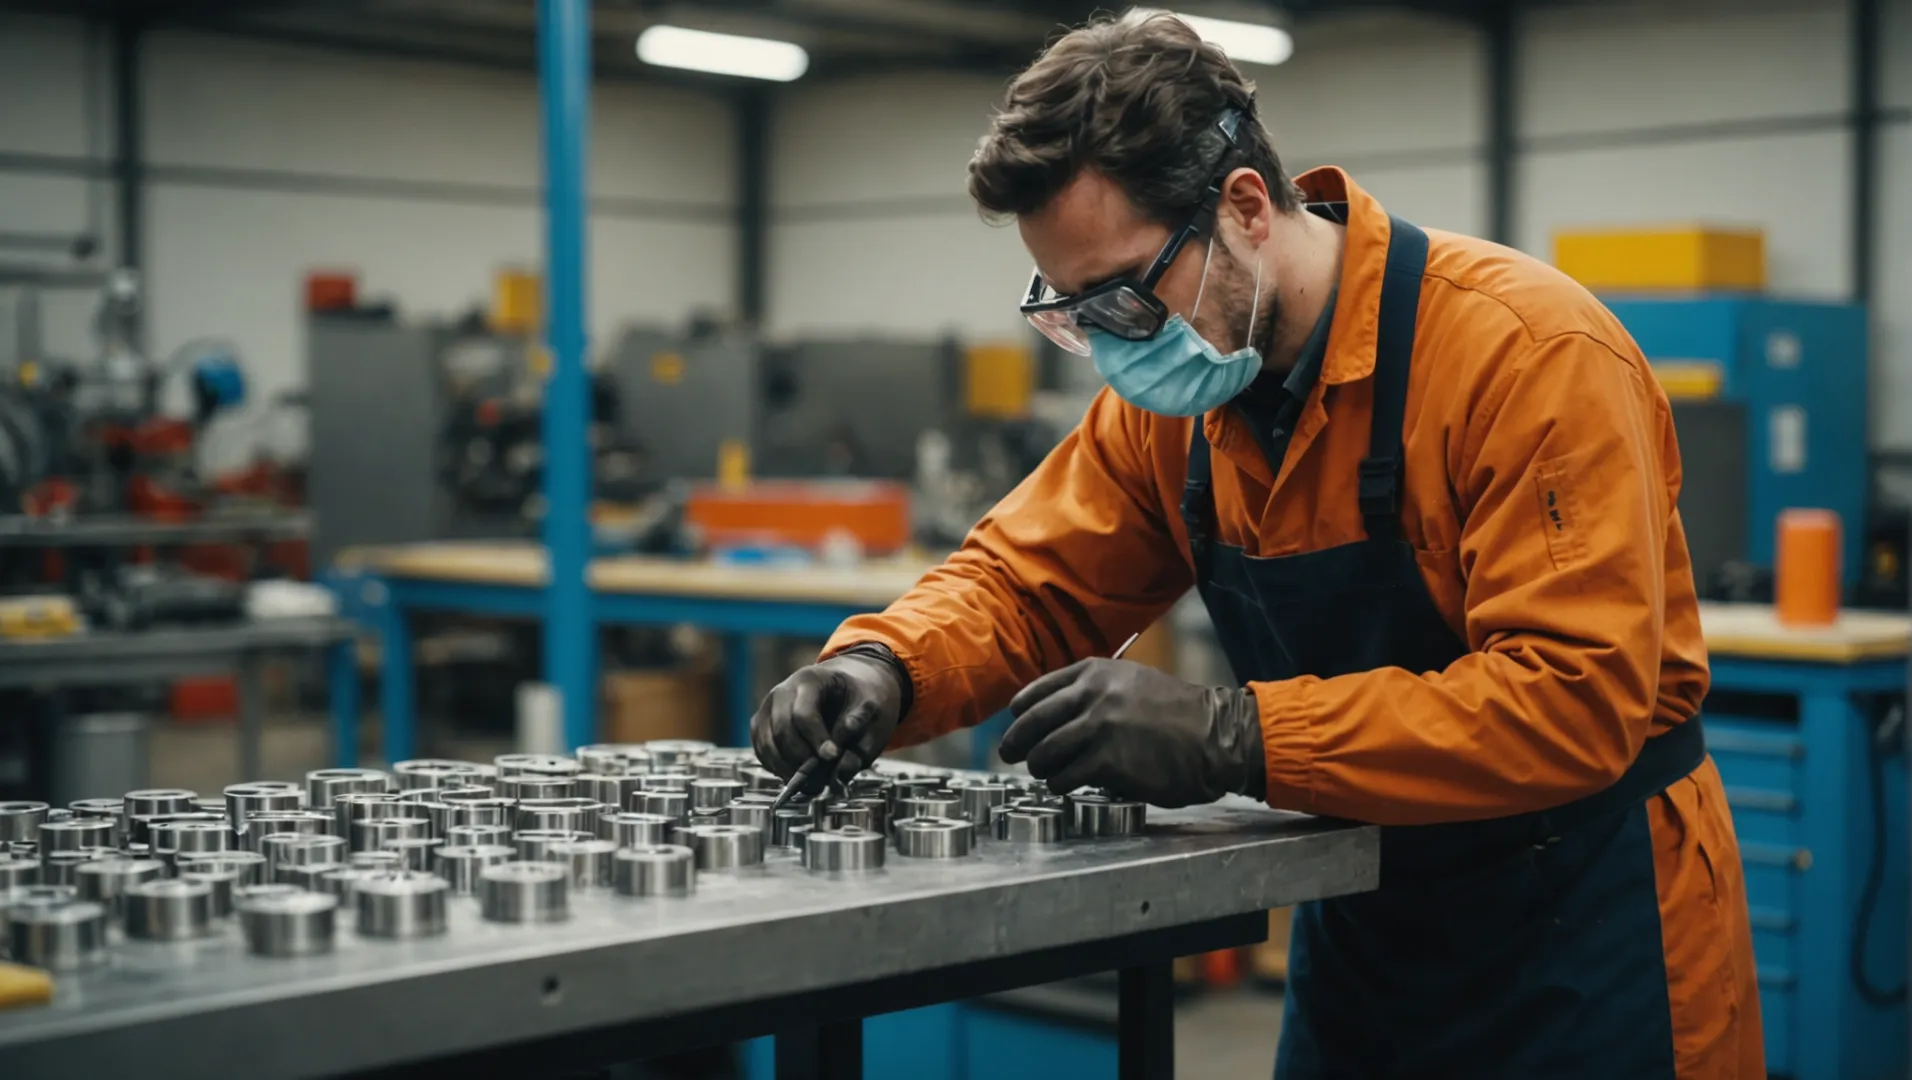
(1351, 341)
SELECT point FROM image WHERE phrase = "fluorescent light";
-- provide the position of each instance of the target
(723, 54)
(1249, 43)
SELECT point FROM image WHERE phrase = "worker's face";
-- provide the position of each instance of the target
(1091, 232)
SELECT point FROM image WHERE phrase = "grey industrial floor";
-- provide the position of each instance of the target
(1218, 1036)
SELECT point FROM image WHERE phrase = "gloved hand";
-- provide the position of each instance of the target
(1138, 732)
(843, 710)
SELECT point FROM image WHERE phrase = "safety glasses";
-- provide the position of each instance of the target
(1127, 307)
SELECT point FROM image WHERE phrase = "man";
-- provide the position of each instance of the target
(1426, 487)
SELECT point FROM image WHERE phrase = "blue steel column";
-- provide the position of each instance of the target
(570, 625)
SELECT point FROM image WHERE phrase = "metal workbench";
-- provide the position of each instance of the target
(766, 950)
(113, 658)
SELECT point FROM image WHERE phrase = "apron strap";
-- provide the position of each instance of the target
(1198, 501)
(1380, 478)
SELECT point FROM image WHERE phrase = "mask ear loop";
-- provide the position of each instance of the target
(1254, 306)
(1203, 286)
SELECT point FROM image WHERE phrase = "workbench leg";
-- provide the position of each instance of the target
(1146, 1022)
(740, 688)
(396, 694)
(830, 1052)
(342, 696)
(252, 715)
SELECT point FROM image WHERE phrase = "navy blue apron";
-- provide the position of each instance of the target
(1518, 948)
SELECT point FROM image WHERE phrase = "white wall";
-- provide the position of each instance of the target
(266, 161)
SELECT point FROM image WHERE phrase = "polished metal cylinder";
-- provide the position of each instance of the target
(460, 864)
(1030, 825)
(250, 866)
(77, 833)
(415, 852)
(588, 861)
(672, 753)
(257, 795)
(671, 804)
(207, 804)
(58, 867)
(296, 924)
(149, 801)
(711, 767)
(24, 896)
(21, 849)
(437, 813)
(669, 780)
(452, 793)
(105, 881)
(343, 882)
(934, 837)
(709, 815)
(372, 834)
(879, 808)
(471, 835)
(783, 821)
(536, 786)
(722, 847)
(1096, 813)
(611, 790)
(663, 870)
(758, 778)
(375, 860)
(221, 882)
(274, 888)
(140, 829)
(322, 786)
(524, 892)
(65, 936)
(167, 910)
(845, 815)
(434, 772)
(491, 810)
(309, 877)
(845, 850)
(536, 765)
(575, 813)
(285, 850)
(708, 793)
(941, 804)
(632, 829)
(534, 845)
(401, 904)
(21, 819)
(100, 807)
(258, 826)
(868, 786)
(614, 759)
(365, 806)
(979, 797)
(171, 839)
(755, 815)
(17, 872)
(905, 787)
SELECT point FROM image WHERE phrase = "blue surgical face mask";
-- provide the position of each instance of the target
(1177, 372)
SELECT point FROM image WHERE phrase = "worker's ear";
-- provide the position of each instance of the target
(1245, 205)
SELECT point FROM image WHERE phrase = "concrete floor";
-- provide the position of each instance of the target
(1220, 1036)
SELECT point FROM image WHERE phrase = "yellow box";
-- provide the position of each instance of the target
(517, 301)
(998, 379)
(1674, 258)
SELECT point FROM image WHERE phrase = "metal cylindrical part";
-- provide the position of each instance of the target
(536, 786)
(610, 790)
(402, 904)
(258, 795)
(633, 829)
(470, 835)
(372, 834)
(904, 787)
(437, 813)
(171, 839)
(58, 867)
(708, 793)
(755, 815)
(536, 765)
(26, 896)
(64, 936)
(149, 801)
(1030, 825)
(758, 778)
(846, 815)
(671, 753)
(21, 820)
(247, 892)
(1094, 813)
(534, 845)
(784, 820)
(415, 852)
(669, 780)
(253, 832)
(574, 813)
(221, 882)
(249, 865)
(614, 759)
(100, 807)
(843, 850)
(879, 808)
(524, 892)
(293, 849)
(353, 806)
(491, 810)
(78, 833)
(452, 793)
(941, 804)
(343, 882)
(168, 910)
(588, 861)
(296, 924)
(324, 785)
(17, 872)
(460, 865)
(867, 786)
(934, 837)
(671, 804)
(207, 804)
(709, 815)
(722, 847)
(434, 772)
(105, 881)
(375, 860)
(663, 870)
(717, 768)
(140, 829)
(309, 877)
(979, 797)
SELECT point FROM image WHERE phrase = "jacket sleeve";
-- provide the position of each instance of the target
(1080, 555)
(1565, 503)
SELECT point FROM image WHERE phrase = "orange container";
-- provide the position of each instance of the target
(802, 513)
(1806, 574)
(330, 290)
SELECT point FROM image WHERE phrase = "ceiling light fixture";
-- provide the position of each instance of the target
(1244, 42)
(722, 54)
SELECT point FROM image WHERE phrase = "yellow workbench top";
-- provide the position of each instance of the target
(1735, 630)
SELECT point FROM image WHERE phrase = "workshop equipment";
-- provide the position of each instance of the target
(1769, 402)
(289, 924)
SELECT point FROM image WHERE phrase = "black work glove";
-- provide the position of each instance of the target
(1139, 733)
(843, 710)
